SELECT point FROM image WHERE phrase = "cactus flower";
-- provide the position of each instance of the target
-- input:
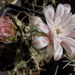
(7, 30)
(58, 32)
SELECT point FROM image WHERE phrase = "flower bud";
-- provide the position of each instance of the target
(7, 30)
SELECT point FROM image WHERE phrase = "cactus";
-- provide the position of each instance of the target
(23, 55)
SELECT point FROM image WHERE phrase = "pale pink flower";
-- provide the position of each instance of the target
(58, 32)
(7, 30)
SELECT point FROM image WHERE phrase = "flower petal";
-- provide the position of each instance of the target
(72, 55)
(49, 12)
(57, 21)
(69, 49)
(6, 19)
(56, 44)
(68, 41)
(50, 24)
(70, 27)
(72, 21)
(72, 34)
(59, 10)
(66, 31)
(35, 20)
(65, 19)
(58, 54)
(66, 47)
(67, 8)
(44, 28)
(58, 51)
(7, 30)
(49, 52)
(40, 42)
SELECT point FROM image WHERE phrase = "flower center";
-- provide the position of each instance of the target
(58, 30)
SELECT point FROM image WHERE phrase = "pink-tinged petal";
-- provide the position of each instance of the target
(6, 19)
(58, 51)
(49, 52)
(7, 29)
(44, 28)
(69, 49)
(72, 34)
(59, 11)
(68, 41)
(66, 47)
(56, 44)
(72, 55)
(58, 39)
(50, 24)
(66, 31)
(57, 21)
(35, 20)
(67, 8)
(34, 37)
(70, 27)
(49, 12)
(65, 19)
(58, 54)
(72, 21)
(40, 42)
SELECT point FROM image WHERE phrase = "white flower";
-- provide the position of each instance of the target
(59, 32)
(27, 28)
